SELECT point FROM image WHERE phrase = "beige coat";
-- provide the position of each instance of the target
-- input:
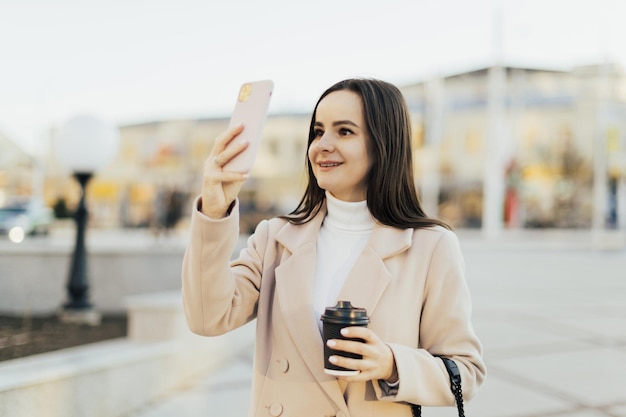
(410, 281)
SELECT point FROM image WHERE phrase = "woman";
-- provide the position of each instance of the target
(358, 234)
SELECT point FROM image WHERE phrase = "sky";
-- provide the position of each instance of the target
(132, 61)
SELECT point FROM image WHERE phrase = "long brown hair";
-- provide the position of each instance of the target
(391, 193)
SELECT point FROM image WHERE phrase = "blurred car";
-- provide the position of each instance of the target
(29, 217)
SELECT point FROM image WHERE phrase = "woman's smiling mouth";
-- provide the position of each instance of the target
(326, 164)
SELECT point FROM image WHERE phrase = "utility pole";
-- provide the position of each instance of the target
(494, 182)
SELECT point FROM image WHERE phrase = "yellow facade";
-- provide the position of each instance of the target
(550, 122)
(169, 155)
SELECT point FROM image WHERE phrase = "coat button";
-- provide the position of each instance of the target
(283, 364)
(276, 409)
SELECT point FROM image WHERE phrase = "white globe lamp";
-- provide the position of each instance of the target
(84, 145)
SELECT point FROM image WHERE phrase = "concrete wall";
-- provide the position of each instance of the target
(34, 279)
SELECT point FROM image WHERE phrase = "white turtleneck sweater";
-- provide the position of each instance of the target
(343, 235)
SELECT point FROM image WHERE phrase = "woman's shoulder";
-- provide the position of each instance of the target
(281, 231)
(436, 234)
(434, 230)
(270, 226)
(274, 225)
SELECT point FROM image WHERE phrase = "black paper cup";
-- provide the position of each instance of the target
(333, 320)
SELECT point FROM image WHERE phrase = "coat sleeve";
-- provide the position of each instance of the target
(445, 330)
(217, 295)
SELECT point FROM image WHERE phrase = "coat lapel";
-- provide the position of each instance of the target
(363, 287)
(294, 288)
(369, 276)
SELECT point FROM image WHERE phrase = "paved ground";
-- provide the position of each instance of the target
(551, 312)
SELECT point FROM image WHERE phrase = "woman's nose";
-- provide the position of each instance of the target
(325, 143)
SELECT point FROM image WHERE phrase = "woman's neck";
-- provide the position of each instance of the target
(348, 215)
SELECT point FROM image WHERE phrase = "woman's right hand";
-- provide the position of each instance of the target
(220, 188)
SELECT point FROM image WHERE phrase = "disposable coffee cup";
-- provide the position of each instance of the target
(333, 320)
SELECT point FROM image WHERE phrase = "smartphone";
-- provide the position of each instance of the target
(251, 109)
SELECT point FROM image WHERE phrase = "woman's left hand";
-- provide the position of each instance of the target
(377, 362)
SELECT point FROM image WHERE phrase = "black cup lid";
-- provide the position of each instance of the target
(344, 311)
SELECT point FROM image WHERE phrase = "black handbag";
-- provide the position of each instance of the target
(455, 385)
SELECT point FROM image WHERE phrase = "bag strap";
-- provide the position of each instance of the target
(455, 386)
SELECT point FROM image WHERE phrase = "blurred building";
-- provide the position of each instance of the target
(556, 128)
(561, 154)
(162, 159)
(17, 171)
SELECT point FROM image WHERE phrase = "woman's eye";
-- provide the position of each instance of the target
(318, 133)
(345, 132)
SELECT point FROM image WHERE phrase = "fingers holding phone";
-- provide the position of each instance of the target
(220, 187)
(224, 150)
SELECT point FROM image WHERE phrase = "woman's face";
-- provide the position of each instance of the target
(339, 152)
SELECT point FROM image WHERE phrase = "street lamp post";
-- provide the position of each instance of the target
(78, 285)
(83, 145)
